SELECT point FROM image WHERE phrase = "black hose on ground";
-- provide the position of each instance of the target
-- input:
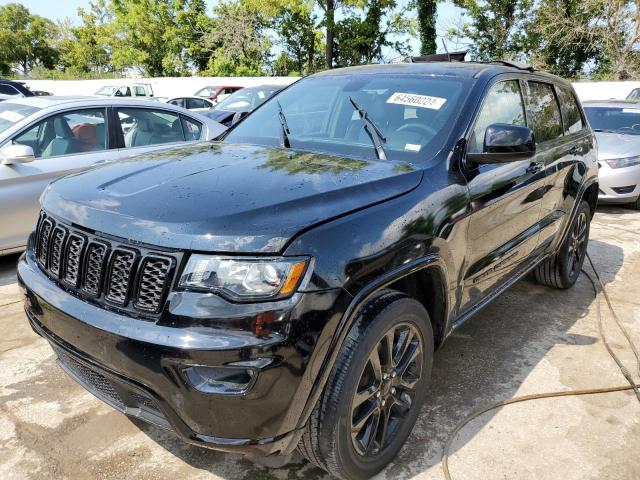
(565, 393)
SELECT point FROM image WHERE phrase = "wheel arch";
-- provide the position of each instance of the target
(425, 271)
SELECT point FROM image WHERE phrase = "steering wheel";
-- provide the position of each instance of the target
(634, 128)
(417, 127)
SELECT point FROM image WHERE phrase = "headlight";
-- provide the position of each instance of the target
(244, 278)
(623, 162)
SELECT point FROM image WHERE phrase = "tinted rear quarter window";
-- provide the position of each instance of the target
(544, 112)
(570, 110)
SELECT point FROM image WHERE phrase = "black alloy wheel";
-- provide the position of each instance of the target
(385, 391)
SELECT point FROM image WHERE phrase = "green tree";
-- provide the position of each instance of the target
(360, 39)
(26, 40)
(87, 47)
(427, 13)
(496, 29)
(237, 40)
(295, 26)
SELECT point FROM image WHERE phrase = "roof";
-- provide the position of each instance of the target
(458, 69)
(52, 101)
(612, 102)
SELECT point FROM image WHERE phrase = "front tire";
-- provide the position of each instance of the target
(375, 390)
(562, 269)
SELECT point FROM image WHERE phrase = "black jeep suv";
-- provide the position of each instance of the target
(286, 287)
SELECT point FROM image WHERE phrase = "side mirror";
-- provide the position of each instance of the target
(12, 154)
(505, 143)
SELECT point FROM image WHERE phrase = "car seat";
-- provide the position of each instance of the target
(64, 142)
(140, 135)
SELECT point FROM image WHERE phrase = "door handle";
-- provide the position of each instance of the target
(534, 167)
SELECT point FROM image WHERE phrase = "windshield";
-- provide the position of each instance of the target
(12, 113)
(206, 92)
(246, 100)
(413, 112)
(614, 119)
(108, 91)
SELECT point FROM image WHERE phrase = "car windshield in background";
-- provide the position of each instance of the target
(12, 113)
(413, 113)
(245, 100)
(614, 119)
(206, 92)
(107, 91)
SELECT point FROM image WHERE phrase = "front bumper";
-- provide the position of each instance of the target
(618, 185)
(137, 365)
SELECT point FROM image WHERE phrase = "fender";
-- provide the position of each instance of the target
(579, 196)
(346, 322)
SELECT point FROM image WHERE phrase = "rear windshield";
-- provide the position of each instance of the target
(614, 119)
(12, 113)
(413, 112)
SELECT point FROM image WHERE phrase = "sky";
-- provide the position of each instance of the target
(448, 14)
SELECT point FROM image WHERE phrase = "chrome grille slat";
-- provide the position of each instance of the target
(153, 279)
(102, 270)
(43, 241)
(96, 254)
(73, 259)
(120, 276)
(57, 245)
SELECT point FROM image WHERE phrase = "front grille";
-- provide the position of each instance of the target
(116, 393)
(97, 382)
(104, 270)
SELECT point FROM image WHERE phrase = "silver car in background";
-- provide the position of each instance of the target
(43, 138)
(616, 124)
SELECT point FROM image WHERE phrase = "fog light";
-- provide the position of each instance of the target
(221, 380)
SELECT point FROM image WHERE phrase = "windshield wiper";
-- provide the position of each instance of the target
(374, 132)
(285, 128)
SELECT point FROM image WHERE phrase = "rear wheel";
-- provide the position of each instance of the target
(636, 204)
(562, 270)
(375, 390)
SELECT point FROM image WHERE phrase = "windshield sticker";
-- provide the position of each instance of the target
(413, 147)
(11, 116)
(630, 110)
(261, 94)
(422, 101)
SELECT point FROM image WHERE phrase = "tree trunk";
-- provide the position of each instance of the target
(427, 10)
(328, 53)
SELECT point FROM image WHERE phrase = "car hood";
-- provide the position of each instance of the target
(220, 115)
(223, 197)
(617, 145)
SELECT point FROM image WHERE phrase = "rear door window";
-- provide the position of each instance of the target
(570, 110)
(544, 112)
(139, 91)
(143, 127)
(503, 104)
(195, 103)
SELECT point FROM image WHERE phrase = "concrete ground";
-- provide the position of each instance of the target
(532, 339)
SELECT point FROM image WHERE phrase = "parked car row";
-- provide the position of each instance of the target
(42, 138)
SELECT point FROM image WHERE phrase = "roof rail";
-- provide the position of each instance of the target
(514, 64)
(438, 57)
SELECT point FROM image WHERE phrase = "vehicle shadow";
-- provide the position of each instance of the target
(485, 360)
(8, 269)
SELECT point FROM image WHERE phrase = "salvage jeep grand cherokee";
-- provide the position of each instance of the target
(286, 287)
